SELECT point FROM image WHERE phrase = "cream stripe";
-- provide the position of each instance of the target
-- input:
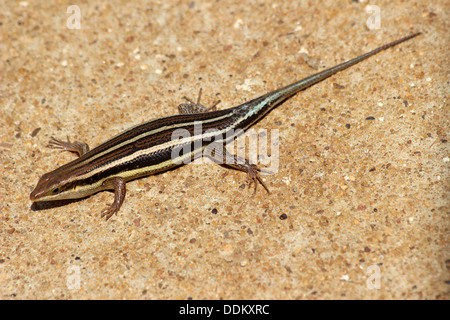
(145, 134)
(149, 151)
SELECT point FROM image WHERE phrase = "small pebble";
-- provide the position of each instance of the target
(35, 132)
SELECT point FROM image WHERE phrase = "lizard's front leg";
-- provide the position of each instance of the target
(79, 148)
(118, 184)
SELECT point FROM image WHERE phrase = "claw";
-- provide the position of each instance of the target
(109, 211)
(254, 177)
(55, 143)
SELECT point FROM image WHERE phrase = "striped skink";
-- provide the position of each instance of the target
(148, 148)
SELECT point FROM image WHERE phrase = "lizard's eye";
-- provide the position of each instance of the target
(55, 191)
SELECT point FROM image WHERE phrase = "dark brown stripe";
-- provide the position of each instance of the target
(72, 169)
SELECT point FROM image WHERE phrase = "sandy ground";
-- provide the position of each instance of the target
(359, 204)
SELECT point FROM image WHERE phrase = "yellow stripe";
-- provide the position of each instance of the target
(145, 134)
(148, 151)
